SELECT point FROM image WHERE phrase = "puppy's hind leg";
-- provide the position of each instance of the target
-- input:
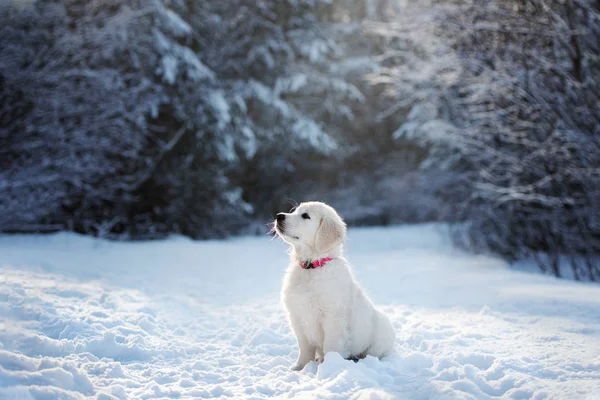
(306, 351)
(358, 357)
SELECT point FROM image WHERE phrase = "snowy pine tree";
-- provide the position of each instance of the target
(279, 62)
(510, 113)
(531, 133)
(118, 128)
(157, 117)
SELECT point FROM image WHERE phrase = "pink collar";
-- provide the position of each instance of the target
(316, 263)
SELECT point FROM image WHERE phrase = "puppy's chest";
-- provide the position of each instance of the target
(308, 292)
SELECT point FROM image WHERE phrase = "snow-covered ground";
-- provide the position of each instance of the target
(81, 317)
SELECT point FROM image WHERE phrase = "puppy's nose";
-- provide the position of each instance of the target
(280, 217)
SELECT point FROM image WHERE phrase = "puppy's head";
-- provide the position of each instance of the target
(314, 225)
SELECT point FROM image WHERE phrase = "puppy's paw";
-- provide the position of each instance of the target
(297, 367)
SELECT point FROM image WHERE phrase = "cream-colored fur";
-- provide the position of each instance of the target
(327, 309)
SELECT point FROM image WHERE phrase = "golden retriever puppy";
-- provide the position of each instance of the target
(327, 309)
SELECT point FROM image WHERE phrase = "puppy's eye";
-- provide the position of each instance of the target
(305, 216)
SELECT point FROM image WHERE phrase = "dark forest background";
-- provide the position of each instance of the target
(138, 119)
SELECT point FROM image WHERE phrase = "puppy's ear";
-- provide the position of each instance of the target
(331, 232)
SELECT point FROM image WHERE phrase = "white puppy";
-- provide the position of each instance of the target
(327, 309)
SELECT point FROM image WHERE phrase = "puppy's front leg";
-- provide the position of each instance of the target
(335, 335)
(306, 351)
(319, 355)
